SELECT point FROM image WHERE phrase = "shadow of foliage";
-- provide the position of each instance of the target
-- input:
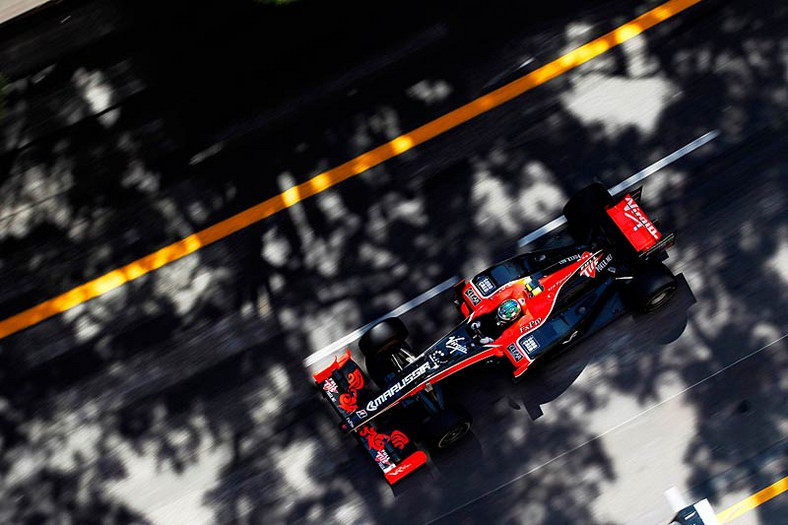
(184, 391)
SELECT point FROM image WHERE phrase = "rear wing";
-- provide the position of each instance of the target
(346, 387)
(636, 227)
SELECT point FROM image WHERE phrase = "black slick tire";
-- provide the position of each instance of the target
(377, 345)
(382, 336)
(652, 287)
(447, 427)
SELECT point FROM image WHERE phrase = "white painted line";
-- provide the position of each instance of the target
(544, 230)
(631, 181)
(665, 161)
(403, 308)
(541, 232)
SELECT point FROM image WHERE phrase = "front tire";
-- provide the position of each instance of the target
(652, 287)
(378, 344)
(447, 427)
(382, 337)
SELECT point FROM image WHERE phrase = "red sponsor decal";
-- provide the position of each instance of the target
(589, 267)
(638, 217)
(399, 440)
(533, 323)
(382, 458)
(330, 386)
(375, 439)
(407, 466)
(355, 380)
(348, 401)
(634, 224)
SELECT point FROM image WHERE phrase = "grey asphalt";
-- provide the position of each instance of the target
(182, 398)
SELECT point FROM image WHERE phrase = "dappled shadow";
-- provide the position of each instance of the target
(182, 395)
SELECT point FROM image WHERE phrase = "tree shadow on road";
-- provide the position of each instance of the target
(194, 374)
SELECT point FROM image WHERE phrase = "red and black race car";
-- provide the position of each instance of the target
(518, 310)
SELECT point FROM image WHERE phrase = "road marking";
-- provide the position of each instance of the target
(631, 181)
(334, 176)
(747, 504)
(610, 430)
(401, 309)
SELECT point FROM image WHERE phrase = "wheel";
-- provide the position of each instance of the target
(652, 287)
(584, 210)
(382, 336)
(378, 344)
(447, 427)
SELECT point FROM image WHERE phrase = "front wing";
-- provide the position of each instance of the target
(346, 387)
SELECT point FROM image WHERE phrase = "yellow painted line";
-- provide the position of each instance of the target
(753, 501)
(334, 176)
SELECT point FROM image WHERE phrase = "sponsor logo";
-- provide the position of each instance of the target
(601, 265)
(362, 413)
(571, 258)
(559, 283)
(588, 268)
(399, 440)
(529, 344)
(455, 344)
(347, 401)
(531, 325)
(485, 285)
(399, 385)
(330, 386)
(400, 470)
(395, 472)
(383, 458)
(472, 296)
(375, 440)
(439, 356)
(638, 218)
(515, 352)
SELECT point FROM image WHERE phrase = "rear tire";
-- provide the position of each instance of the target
(584, 211)
(652, 287)
(447, 427)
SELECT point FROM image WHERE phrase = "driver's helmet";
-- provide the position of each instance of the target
(508, 311)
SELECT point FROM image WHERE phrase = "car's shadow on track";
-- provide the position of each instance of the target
(552, 376)
(491, 395)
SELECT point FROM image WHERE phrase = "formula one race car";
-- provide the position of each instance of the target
(521, 309)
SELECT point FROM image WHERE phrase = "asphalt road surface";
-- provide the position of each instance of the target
(182, 396)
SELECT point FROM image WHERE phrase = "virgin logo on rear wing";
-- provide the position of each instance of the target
(634, 224)
(637, 216)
